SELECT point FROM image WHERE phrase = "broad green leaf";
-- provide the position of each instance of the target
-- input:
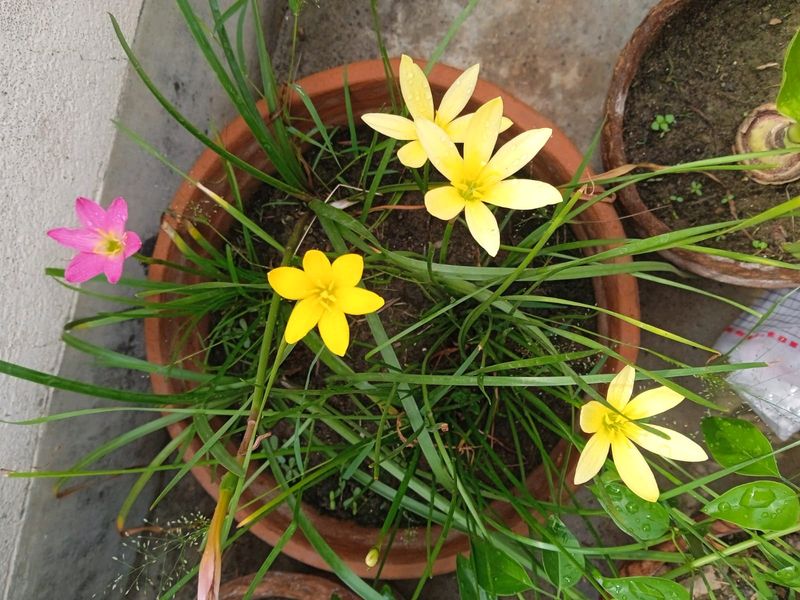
(498, 573)
(562, 571)
(468, 588)
(787, 576)
(788, 101)
(765, 505)
(635, 516)
(645, 588)
(734, 441)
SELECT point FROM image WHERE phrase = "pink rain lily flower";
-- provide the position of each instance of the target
(102, 242)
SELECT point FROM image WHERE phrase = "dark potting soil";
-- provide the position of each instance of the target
(711, 65)
(415, 230)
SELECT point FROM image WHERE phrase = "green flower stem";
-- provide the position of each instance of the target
(261, 387)
(729, 551)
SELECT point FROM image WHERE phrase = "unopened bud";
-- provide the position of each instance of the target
(371, 559)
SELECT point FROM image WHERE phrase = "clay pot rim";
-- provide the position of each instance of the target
(282, 584)
(612, 146)
(617, 291)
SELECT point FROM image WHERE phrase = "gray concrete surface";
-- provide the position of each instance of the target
(555, 55)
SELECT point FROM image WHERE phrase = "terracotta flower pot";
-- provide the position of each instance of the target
(646, 222)
(291, 586)
(556, 163)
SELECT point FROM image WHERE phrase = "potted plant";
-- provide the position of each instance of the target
(328, 335)
(686, 86)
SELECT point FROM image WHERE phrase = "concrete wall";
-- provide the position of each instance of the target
(62, 73)
(65, 78)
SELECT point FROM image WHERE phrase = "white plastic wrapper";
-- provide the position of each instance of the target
(773, 391)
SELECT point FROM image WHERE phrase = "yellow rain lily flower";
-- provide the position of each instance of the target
(419, 100)
(479, 178)
(326, 293)
(616, 428)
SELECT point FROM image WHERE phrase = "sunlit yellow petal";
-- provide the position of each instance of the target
(415, 89)
(457, 95)
(317, 267)
(440, 150)
(412, 155)
(481, 137)
(522, 194)
(347, 270)
(290, 283)
(633, 469)
(592, 415)
(483, 226)
(392, 126)
(675, 446)
(621, 388)
(592, 458)
(358, 301)
(444, 202)
(334, 331)
(652, 402)
(305, 315)
(457, 128)
(518, 152)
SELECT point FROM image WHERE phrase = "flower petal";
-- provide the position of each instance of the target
(90, 213)
(633, 469)
(83, 240)
(592, 415)
(318, 268)
(440, 150)
(132, 243)
(358, 301)
(412, 155)
(621, 388)
(675, 446)
(416, 90)
(592, 458)
(457, 95)
(483, 226)
(518, 152)
(392, 126)
(652, 402)
(522, 194)
(457, 128)
(481, 137)
(113, 268)
(291, 283)
(305, 315)
(334, 331)
(444, 202)
(347, 270)
(84, 266)
(117, 216)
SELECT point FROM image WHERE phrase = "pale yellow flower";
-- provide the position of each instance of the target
(419, 101)
(479, 178)
(616, 428)
(326, 293)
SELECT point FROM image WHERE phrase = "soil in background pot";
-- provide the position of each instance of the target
(407, 230)
(711, 65)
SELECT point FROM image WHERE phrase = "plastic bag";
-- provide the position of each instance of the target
(773, 392)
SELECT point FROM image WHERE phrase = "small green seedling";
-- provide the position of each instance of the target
(696, 188)
(663, 124)
(727, 198)
(760, 245)
(675, 198)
